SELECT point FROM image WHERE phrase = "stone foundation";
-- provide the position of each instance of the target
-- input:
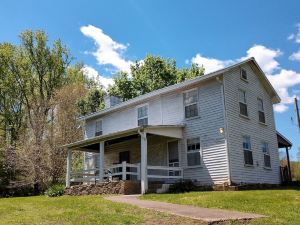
(115, 187)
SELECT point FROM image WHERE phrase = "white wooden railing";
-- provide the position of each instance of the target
(123, 170)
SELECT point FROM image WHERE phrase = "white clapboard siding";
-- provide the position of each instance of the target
(214, 168)
(238, 126)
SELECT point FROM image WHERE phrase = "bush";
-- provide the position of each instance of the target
(55, 190)
(182, 186)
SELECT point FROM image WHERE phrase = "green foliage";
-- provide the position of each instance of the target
(295, 170)
(182, 186)
(55, 190)
(152, 73)
(93, 102)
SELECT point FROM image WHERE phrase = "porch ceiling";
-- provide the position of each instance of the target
(92, 144)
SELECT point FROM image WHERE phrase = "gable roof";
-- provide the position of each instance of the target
(168, 89)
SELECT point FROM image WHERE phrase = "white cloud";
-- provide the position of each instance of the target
(280, 78)
(210, 64)
(296, 36)
(91, 73)
(265, 57)
(109, 52)
(295, 56)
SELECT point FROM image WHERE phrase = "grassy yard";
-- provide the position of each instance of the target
(282, 206)
(79, 210)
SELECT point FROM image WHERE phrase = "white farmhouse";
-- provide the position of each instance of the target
(216, 129)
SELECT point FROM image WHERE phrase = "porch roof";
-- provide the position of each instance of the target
(283, 142)
(174, 131)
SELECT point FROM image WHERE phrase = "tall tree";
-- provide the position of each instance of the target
(152, 73)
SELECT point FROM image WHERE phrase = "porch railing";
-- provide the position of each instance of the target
(127, 171)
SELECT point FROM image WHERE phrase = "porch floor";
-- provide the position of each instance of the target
(204, 214)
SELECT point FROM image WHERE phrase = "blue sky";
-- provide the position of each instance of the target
(109, 35)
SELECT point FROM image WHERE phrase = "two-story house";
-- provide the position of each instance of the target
(215, 129)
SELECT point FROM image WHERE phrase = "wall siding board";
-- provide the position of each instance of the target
(238, 126)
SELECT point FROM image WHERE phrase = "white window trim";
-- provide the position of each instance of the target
(187, 152)
(98, 120)
(242, 78)
(246, 149)
(246, 98)
(185, 105)
(137, 112)
(261, 144)
(263, 105)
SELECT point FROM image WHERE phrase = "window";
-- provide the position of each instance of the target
(243, 103)
(244, 74)
(261, 112)
(266, 152)
(248, 158)
(98, 128)
(142, 115)
(193, 152)
(190, 104)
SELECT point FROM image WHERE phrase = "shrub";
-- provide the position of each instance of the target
(55, 190)
(182, 186)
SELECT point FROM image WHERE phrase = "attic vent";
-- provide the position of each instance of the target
(111, 101)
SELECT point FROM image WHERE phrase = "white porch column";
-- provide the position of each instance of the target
(144, 177)
(101, 160)
(69, 165)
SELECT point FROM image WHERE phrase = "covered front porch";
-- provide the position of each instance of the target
(143, 154)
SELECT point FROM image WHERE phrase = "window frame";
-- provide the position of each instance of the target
(241, 75)
(245, 103)
(145, 117)
(190, 104)
(267, 153)
(247, 149)
(261, 111)
(193, 151)
(97, 121)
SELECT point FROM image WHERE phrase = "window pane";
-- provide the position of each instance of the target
(244, 74)
(260, 104)
(242, 96)
(248, 157)
(265, 148)
(143, 111)
(98, 128)
(191, 111)
(261, 116)
(142, 122)
(267, 160)
(243, 109)
(193, 144)
(190, 97)
(193, 159)
(246, 143)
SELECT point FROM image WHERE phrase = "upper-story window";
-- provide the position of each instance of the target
(243, 103)
(190, 99)
(193, 152)
(248, 158)
(244, 75)
(266, 152)
(98, 128)
(142, 115)
(261, 111)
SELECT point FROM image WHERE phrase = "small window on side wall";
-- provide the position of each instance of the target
(190, 100)
(266, 152)
(261, 111)
(248, 157)
(243, 103)
(98, 128)
(193, 152)
(142, 114)
(244, 75)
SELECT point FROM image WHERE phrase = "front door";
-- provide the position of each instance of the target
(173, 157)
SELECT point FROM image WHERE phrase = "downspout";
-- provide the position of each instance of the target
(226, 126)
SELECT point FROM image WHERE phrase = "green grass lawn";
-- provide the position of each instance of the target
(79, 210)
(282, 206)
